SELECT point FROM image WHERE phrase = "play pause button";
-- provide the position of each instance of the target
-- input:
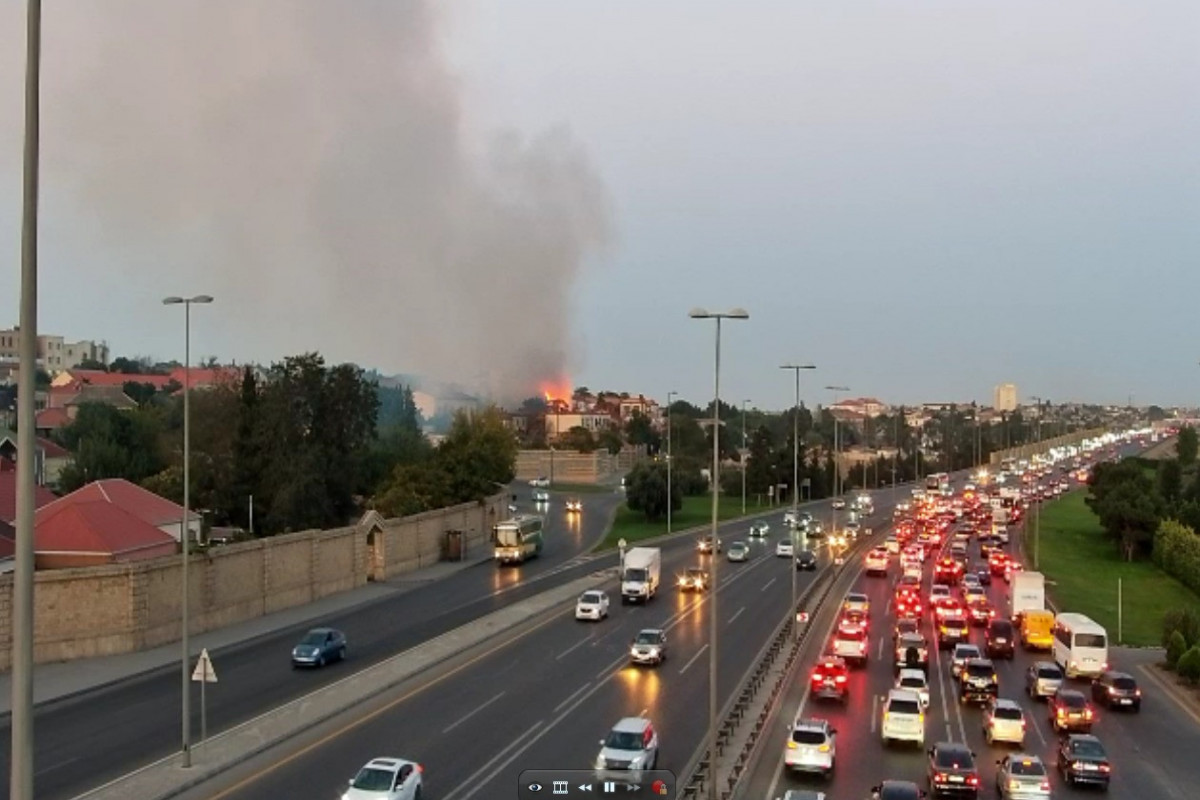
(552, 784)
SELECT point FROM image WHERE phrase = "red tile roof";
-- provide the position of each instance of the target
(96, 527)
(99, 378)
(141, 503)
(8, 492)
(52, 449)
(52, 418)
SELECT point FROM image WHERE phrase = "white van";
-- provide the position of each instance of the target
(1080, 646)
(903, 718)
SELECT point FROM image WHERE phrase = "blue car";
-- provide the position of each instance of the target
(318, 647)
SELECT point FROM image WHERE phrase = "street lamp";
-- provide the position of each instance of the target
(796, 368)
(837, 467)
(742, 456)
(185, 534)
(669, 496)
(713, 711)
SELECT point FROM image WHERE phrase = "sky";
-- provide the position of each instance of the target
(924, 199)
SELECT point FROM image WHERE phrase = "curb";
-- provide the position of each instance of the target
(1189, 701)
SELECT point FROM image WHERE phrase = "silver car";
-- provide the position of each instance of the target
(1043, 679)
(1022, 777)
(630, 748)
(1004, 721)
(812, 747)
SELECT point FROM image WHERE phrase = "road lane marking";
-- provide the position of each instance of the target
(738, 614)
(572, 696)
(515, 743)
(874, 711)
(604, 672)
(471, 713)
(699, 653)
(573, 648)
(880, 656)
(767, 585)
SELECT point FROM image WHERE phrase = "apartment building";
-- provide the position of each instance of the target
(54, 352)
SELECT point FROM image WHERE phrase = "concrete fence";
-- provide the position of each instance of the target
(1044, 446)
(120, 608)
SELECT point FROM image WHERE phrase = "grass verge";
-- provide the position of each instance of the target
(584, 488)
(1084, 565)
(632, 526)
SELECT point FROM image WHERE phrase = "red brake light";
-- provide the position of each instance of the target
(841, 679)
(420, 769)
(973, 780)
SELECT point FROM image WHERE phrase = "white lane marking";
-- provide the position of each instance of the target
(475, 777)
(767, 585)
(602, 674)
(874, 711)
(471, 713)
(738, 614)
(699, 653)
(572, 696)
(573, 648)
(880, 656)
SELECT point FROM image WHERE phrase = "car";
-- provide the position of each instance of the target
(738, 552)
(830, 678)
(1000, 639)
(978, 681)
(1082, 759)
(1004, 721)
(970, 580)
(909, 583)
(630, 748)
(386, 779)
(945, 608)
(812, 747)
(592, 604)
(947, 571)
(897, 790)
(540, 482)
(1022, 776)
(759, 530)
(952, 631)
(1114, 689)
(972, 594)
(903, 718)
(785, 549)
(979, 611)
(705, 545)
(649, 647)
(952, 771)
(839, 503)
(907, 605)
(961, 655)
(1069, 710)
(574, 506)
(997, 563)
(802, 794)
(905, 625)
(857, 601)
(694, 579)
(981, 571)
(1043, 679)
(892, 545)
(852, 644)
(541, 496)
(914, 680)
(854, 619)
(806, 560)
(319, 647)
(938, 591)
(912, 652)
(876, 562)
(853, 530)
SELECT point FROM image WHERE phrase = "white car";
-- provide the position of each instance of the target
(914, 680)
(540, 482)
(1022, 777)
(839, 503)
(592, 604)
(812, 747)
(1004, 721)
(784, 549)
(386, 779)
(852, 645)
(857, 601)
(892, 545)
(574, 506)
(877, 562)
(541, 497)
(939, 591)
(903, 718)
(630, 748)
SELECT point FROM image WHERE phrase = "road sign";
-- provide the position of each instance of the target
(621, 544)
(204, 672)
(802, 616)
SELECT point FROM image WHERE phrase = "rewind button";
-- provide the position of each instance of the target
(585, 787)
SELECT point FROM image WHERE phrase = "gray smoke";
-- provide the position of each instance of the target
(307, 161)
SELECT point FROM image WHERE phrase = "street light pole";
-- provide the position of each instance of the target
(837, 466)
(21, 745)
(795, 368)
(713, 710)
(742, 456)
(669, 396)
(185, 534)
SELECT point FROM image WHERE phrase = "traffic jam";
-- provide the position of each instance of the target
(945, 654)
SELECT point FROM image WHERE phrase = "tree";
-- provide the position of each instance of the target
(760, 462)
(479, 454)
(107, 442)
(610, 440)
(140, 393)
(1186, 446)
(1176, 646)
(646, 490)
(578, 438)
(1188, 665)
(639, 429)
(126, 366)
(93, 364)
(1170, 479)
(414, 488)
(1130, 512)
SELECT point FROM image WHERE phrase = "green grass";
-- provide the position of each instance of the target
(584, 488)
(633, 527)
(1083, 563)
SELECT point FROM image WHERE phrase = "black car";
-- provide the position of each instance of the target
(806, 560)
(1117, 690)
(897, 790)
(952, 771)
(983, 572)
(1000, 639)
(951, 632)
(978, 681)
(1070, 711)
(1081, 759)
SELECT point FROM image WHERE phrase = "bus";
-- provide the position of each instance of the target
(938, 483)
(1080, 646)
(518, 539)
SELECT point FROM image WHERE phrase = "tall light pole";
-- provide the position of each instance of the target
(837, 466)
(742, 456)
(669, 396)
(796, 368)
(713, 710)
(185, 534)
(21, 755)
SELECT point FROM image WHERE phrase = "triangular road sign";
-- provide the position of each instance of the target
(204, 671)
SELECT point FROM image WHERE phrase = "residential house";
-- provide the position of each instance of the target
(53, 352)
(157, 511)
(8, 493)
(51, 457)
(559, 423)
(860, 407)
(89, 531)
(628, 406)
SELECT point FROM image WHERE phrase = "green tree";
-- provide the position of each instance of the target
(93, 364)
(140, 393)
(106, 442)
(478, 455)
(1176, 646)
(1186, 446)
(760, 461)
(414, 488)
(640, 430)
(646, 490)
(1186, 622)
(610, 440)
(244, 454)
(1188, 665)
(1170, 479)
(1131, 512)
(577, 438)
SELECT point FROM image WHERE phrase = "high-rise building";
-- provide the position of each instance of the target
(1005, 397)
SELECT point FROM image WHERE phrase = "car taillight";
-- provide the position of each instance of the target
(940, 777)
(1105, 768)
(1062, 713)
(1045, 786)
(816, 677)
(1087, 712)
(840, 679)
(420, 769)
(973, 780)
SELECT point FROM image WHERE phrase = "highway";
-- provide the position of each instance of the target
(84, 741)
(1153, 753)
(544, 699)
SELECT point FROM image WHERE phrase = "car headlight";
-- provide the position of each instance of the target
(600, 763)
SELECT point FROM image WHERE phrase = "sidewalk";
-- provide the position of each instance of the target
(62, 679)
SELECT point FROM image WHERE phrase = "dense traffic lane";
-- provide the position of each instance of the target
(544, 700)
(86, 740)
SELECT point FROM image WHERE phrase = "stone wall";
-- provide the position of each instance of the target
(119, 608)
(599, 466)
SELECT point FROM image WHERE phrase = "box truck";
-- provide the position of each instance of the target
(641, 571)
(1028, 593)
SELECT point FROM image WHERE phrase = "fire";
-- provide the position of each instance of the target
(557, 390)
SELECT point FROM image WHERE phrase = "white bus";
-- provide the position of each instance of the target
(518, 538)
(1080, 646)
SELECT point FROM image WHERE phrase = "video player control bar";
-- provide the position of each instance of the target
(583, 784)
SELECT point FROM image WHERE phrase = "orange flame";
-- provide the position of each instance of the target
(557, 390)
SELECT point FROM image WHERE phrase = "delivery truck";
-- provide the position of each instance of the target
(641, 571)
(1028, 594)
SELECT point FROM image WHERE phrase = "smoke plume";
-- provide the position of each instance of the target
(307, 162)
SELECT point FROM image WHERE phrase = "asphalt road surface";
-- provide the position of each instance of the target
(84, 741)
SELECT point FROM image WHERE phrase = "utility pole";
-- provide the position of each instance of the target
(742, 456)
(669, 465)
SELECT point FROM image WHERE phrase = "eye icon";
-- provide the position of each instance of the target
(535, 787)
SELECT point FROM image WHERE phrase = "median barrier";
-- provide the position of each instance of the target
(166, 778)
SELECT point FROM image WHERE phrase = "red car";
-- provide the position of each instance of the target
(907, 605)
(947, 571)
(998, 562)
(830, 678)
(980, 612)
(948, 608)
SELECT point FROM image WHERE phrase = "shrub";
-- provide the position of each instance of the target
(1177, 553)
(1185, 620)
(1189, 665)
(1177, 646)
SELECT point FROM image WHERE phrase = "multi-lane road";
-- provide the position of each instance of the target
(1153, 753)
(544, 699)
(89, 739)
